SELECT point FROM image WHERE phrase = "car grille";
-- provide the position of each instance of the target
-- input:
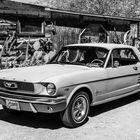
(21, 86)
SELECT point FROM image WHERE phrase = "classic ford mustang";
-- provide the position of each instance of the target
(77, 77)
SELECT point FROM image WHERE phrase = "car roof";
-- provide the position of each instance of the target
(108, 46)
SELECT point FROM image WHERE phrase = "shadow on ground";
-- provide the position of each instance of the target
(52, 121)
(39, 120)
(96, 110)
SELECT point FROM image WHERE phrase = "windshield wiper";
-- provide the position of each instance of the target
(70, 63)
(58, 62)
(93, 65)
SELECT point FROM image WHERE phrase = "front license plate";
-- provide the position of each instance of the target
(12, 104)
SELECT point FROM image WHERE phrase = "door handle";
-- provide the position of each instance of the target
(135, 68)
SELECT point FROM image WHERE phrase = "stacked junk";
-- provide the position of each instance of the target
(25, 52)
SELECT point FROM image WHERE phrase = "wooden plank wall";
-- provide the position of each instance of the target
(19, 9)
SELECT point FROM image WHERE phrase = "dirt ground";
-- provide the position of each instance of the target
(117, 120)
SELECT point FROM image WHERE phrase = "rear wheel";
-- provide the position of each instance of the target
(76, 112)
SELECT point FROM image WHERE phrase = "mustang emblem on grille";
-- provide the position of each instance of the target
(12, 85)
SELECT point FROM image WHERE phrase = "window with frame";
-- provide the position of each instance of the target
(122, 57)
(31, 27)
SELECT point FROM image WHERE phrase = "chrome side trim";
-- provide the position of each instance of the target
(33, 108)
(115, 98)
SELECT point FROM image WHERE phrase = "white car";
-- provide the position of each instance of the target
(79, 76)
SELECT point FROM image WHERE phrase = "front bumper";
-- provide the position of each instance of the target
(35, 103)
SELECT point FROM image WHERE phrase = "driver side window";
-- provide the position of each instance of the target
(122, 57)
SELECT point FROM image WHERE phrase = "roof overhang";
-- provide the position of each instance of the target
(82, 20)
(11, 9)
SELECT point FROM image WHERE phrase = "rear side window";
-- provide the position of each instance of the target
(124, 54)
(122, 57)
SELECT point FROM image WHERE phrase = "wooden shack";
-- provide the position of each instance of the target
(31, 20)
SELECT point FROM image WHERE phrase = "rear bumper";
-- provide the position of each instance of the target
(35, 104)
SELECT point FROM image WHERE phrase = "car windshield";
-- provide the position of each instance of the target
(76, 55)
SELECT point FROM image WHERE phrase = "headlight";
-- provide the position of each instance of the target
(50, 88)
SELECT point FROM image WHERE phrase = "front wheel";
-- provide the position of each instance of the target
(76, 112)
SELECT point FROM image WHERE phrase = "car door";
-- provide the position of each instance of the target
(123, 73)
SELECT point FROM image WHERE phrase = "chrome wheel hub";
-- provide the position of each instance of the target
(79, 109)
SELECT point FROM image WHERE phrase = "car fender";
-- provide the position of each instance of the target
(78, 88)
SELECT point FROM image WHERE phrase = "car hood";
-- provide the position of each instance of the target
(40, 73)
